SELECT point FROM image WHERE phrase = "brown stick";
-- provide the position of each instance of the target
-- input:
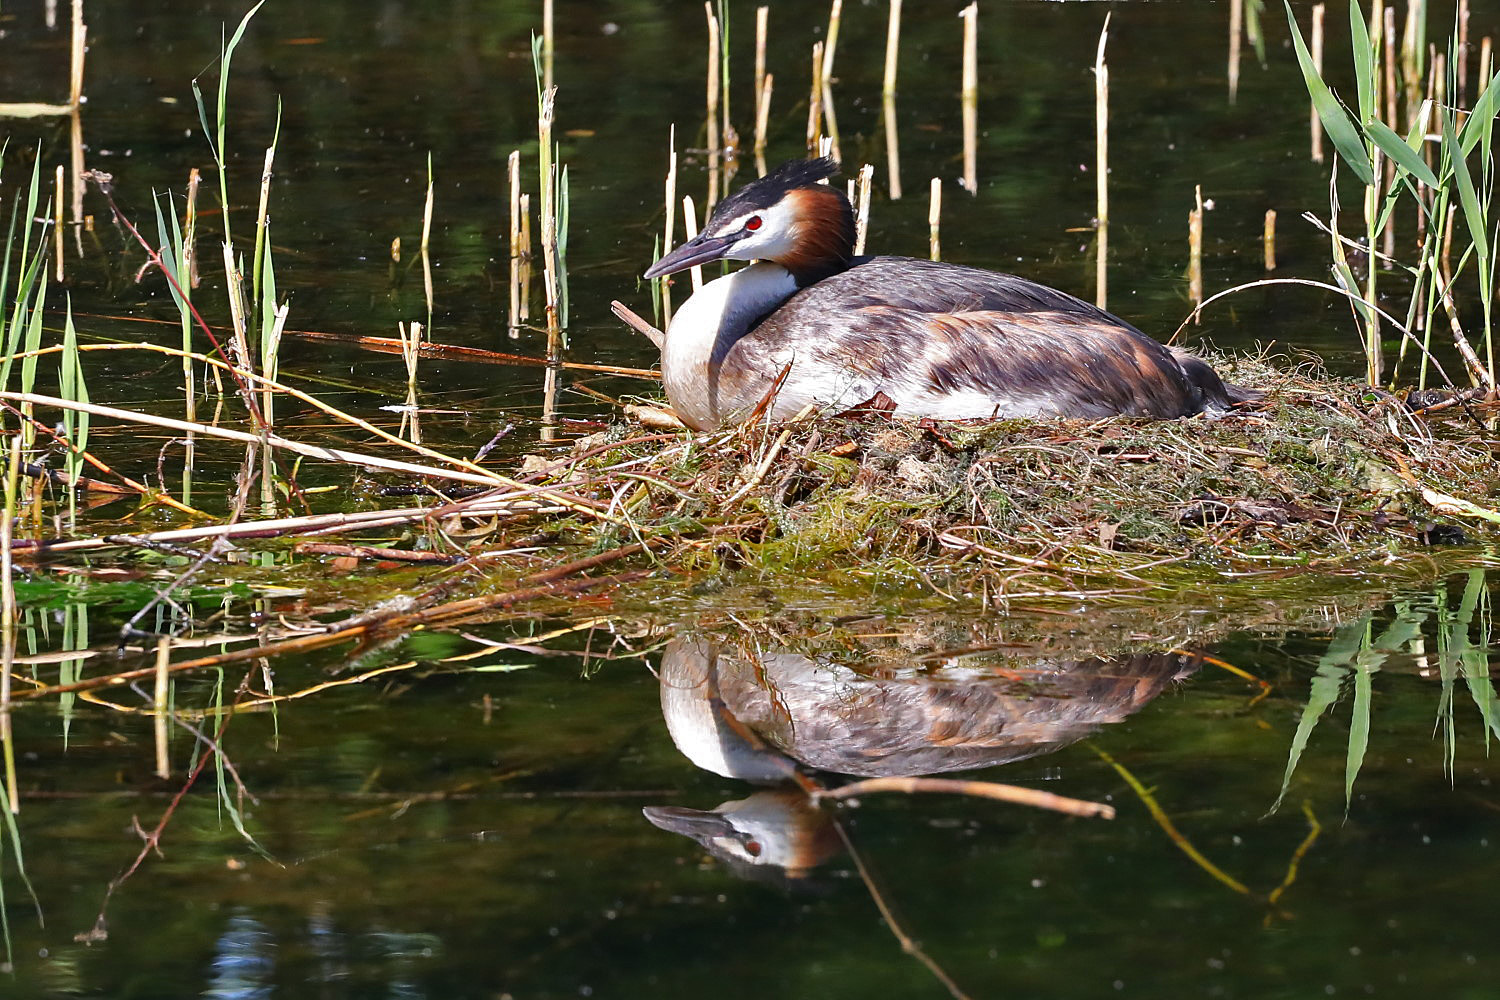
(1013, 794)
(631, 319)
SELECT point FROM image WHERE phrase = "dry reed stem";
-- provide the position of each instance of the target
(830, 47)
(235, 291)
(934, 218)
(670, 200)
(970, 96)
(762, 118)
(57, 221)
(1268, 239)
(862, 207)
(762, 22)
(549, 43)
(815, 101)
(1195, 247)
(1462, 70)
(275, 441)
(526, 245)
(1236, 29)
(715, 57)
(513, 176)
(892, 50)
(1101, 170)
(689, 232)
(1315, 127)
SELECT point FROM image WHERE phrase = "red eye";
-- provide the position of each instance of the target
(753, 223)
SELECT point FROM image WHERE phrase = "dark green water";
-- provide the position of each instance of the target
(452, 829)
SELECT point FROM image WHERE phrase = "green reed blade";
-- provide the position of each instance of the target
(1481, 120)
(1331, 113)
(1364, 60)
(1396, 148)
(1468, 197)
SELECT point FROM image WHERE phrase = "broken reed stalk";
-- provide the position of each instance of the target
(888, 100)
(1486, 68)
(1268, 239)
(159, 705)
(712, 123)
(1101, 169)
(862, 207)
(689, 231)
(970, 96)
(1319, 12)
(1236, 29)
(8, 622)
(1195, 247)
(548, 177)
(234, 289)
(934, 215)
(190, 237)
(513, 175)
(815, 102)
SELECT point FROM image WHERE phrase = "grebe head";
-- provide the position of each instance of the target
(786, 217)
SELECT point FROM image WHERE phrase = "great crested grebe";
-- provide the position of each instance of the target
(810, 323)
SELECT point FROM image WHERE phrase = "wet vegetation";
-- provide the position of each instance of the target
(358, 596)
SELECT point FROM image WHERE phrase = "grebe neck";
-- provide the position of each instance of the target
(708, 325)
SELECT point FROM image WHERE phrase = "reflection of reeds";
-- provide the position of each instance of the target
(888, 100)
(513, 178)
(8, 622)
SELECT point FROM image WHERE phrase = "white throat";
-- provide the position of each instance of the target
(721, 311)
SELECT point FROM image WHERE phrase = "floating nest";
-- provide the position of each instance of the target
(1323, 474)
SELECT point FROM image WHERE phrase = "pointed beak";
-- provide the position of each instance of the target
(698, 250)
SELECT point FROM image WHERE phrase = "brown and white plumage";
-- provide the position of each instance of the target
(936, 340)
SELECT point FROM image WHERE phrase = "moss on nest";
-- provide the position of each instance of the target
(1321, 474)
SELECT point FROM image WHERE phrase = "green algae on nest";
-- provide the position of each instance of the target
(1318, 476)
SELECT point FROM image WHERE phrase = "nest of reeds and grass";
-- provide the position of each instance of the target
(1321, 473)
